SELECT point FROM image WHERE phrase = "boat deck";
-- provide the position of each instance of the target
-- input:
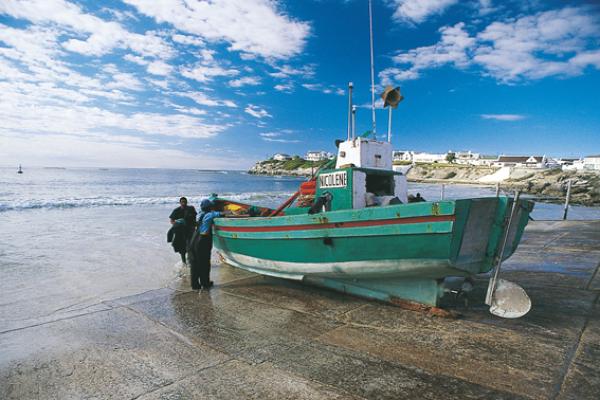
(264, 338)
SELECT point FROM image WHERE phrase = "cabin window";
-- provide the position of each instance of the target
(380, 185)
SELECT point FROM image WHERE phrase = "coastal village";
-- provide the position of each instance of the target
(405, 157)
(537, 175)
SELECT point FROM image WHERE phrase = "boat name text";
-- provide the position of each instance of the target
(333, 180)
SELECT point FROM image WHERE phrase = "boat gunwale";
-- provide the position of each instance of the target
(410, 210)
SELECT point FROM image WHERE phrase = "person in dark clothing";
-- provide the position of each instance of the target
(415, 199)
(201, 246)
(177, 236)
(183, 219)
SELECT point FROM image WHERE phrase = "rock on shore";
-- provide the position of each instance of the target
(294, 167)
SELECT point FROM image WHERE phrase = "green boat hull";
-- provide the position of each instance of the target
(400, 251)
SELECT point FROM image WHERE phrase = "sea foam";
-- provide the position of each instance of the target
(265, 199)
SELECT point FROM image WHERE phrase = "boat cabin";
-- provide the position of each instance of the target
(362, 177)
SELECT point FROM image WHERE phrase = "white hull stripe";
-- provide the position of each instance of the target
(291, 270)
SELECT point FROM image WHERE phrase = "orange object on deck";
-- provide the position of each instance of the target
(308, 188)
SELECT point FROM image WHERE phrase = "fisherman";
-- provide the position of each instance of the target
(415, 199)
(183, 221)
(201, 246)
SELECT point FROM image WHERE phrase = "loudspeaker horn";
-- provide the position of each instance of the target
(391, 97)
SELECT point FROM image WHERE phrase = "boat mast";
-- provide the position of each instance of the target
(350, 86)
(374, 130)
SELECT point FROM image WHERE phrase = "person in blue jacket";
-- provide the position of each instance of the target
(201, 246)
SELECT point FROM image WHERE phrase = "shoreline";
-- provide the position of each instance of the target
(549, 185)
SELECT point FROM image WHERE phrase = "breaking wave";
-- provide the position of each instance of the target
(265, 199)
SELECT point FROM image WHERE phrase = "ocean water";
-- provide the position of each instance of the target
(72, 238)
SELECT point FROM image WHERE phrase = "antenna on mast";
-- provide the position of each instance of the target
(374, 130)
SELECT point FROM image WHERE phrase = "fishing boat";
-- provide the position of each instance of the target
(360, 234)
(353, 228)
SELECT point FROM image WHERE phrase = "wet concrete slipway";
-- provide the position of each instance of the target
(263, 338)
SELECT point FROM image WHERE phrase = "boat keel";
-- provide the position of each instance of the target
(422, 291)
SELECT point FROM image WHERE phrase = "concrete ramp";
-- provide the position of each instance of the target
(501, 175)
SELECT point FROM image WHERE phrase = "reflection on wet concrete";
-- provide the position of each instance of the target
(258, 337)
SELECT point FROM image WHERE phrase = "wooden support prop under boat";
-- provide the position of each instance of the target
(285, 204)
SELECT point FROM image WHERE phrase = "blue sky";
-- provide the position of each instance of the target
(221, 84)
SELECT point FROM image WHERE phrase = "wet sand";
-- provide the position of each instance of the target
(264, 338)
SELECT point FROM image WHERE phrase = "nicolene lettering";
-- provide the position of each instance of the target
(333, 180)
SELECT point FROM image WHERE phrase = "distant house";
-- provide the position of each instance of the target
(466, 157)
(552, 163)
(402, 155)
(429, 158)
(282, 157)
(413, 156)
(521, 161)
(487, 160)
(592, 163)
(317, 156)
(570, 163)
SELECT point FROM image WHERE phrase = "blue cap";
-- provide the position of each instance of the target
(206, 205)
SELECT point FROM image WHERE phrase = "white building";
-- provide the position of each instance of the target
(522, 161)
(570, 164)
(281, 157)
(416, 157)
(402, 155)
(592, 163)
(486, 160)
(429, 158)
(317, 156)
(467, 157)
(552, 163)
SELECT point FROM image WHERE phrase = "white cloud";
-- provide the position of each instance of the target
(312, 86)
(417, 11)
(249, 26)
(188, 40)
(485, 7)
(48, 93)
(268, 139)
(205, 73)
(30, 61)
(452, 48)
(121, 80)
(97, 36)
(159, 68)
(317, 87)
(75, 119)
(551, 43)
(159, 83)
(257, 112)
(136, 59)
(204, 100)
(285, 71)
(119, 151)
(503, 117)
(284, 87)
(537, 46)
(276, 137)
(245, 81)
(280, 136)
(270, 134)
